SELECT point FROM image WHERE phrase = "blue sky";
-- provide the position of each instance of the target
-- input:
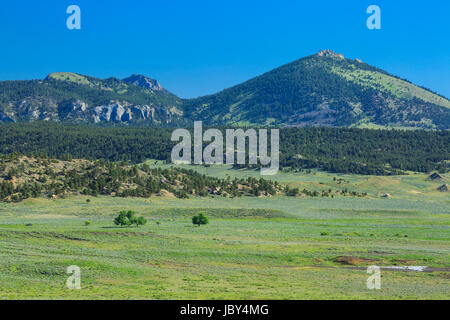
(199, 47)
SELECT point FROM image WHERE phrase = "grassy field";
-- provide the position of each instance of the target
(414, 186)
(253, 248)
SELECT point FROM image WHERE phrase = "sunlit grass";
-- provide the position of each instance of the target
(253, 248)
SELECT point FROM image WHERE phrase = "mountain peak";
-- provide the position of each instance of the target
(330, 53)
(144, 82)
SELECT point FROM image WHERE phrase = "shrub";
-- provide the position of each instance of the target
(141, 221)
(200, 219)
(87, 223)
(122, 219)
(128, 218)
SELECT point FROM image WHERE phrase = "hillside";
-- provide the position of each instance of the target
(24, 177)
(325, 89)
(71, 97)
(343, 150)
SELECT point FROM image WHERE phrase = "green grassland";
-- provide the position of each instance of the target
(253, 248)
(69, 77)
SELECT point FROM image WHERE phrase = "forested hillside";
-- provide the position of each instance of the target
(24, 177)
(361, 151)
(70, 97)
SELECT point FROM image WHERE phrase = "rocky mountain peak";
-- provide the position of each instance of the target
(144, 82)
(330, 53)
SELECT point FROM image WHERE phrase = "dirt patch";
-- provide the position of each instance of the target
(43, 235)
(352, 261)
(381, 253)
(166, 194)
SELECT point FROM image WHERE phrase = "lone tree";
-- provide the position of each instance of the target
(122, 219)
(200, 219)
(141, 221)
(128, 218)
(131, 218)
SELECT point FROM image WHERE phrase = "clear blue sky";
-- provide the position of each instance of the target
(199, 47)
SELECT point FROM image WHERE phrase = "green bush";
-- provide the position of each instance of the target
(122, 219)
(128, 218)
(200, 219)
(140, 221)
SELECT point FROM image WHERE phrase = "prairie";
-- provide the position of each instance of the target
(254, 247)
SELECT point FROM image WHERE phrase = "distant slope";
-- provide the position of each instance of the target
(76, 98)
(325, 89)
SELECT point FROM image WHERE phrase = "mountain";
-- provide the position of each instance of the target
(71, 97)
(144, 82)
(325, 89)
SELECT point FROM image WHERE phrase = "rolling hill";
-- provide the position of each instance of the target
(325, 89)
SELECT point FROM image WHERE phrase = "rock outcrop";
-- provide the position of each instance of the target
(79, 111)
(330, 53)
(122, 112)
(144, 82)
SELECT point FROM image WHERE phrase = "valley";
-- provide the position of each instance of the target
(254, 247)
